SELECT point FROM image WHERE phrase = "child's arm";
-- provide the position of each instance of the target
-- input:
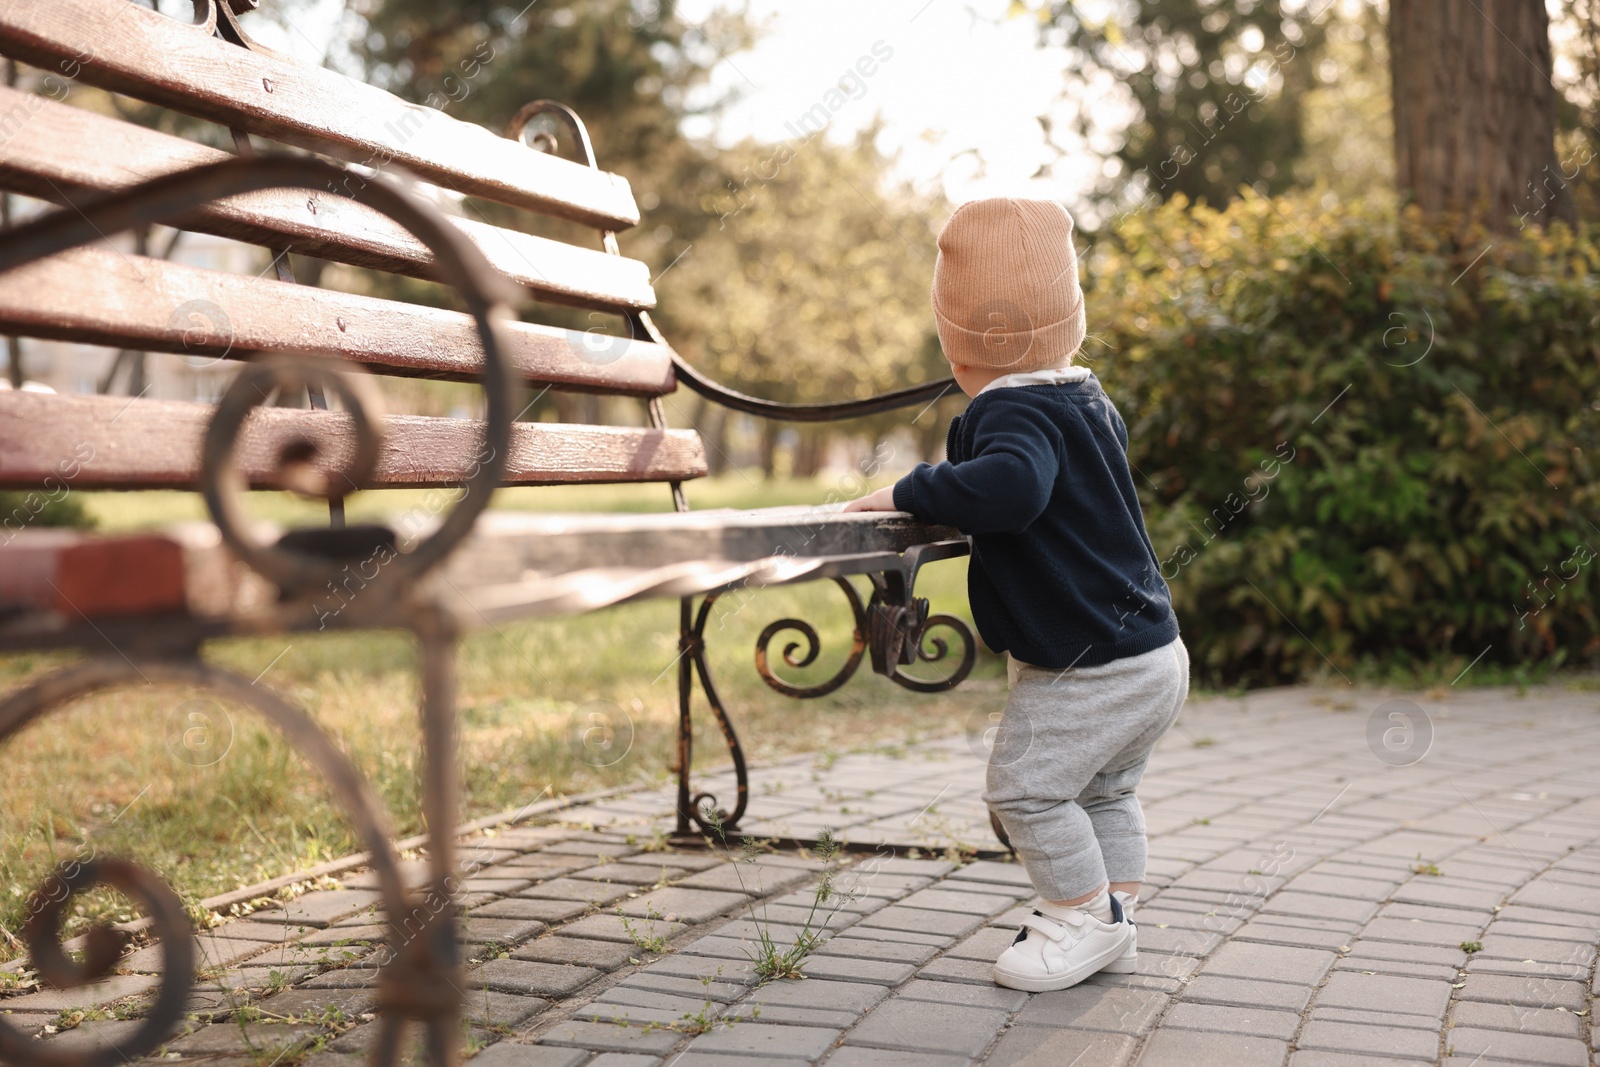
(1003, 487)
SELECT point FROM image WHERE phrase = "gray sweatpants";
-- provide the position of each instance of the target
(1070, 751)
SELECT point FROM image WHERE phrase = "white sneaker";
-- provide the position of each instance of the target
(1058, 953)
(1128, 962)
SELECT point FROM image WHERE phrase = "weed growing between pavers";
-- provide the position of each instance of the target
(645, 941)
(772, 961)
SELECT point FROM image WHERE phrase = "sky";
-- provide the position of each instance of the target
(959, 92)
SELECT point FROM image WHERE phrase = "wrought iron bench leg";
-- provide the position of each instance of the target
(701, 809)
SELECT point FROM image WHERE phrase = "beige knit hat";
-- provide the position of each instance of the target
(1005, 287)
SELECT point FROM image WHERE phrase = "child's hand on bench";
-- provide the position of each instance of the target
(878, 500)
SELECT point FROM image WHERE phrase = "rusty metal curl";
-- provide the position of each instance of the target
(940, 650)
(257, 384)
(457, 262)
(168, 920)
(103, 947)
(858, 648)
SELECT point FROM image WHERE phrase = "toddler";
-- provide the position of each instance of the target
(1062, 578)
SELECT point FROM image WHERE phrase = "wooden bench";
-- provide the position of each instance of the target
(337, 170)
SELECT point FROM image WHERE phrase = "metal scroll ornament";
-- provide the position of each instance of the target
(813, 647)
(898, 635)
(169, 924)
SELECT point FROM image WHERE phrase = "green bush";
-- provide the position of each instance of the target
(52, 506)
(1361, 438)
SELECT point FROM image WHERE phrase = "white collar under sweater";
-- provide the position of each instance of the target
(1052, 376)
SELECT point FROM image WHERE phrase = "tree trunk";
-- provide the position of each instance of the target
(1474, 110)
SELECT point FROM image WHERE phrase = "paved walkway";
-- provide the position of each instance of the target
(1337, 880)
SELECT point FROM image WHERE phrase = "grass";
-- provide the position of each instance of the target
(212, 799)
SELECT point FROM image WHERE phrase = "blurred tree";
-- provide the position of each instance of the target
(811, 284)
(1348, 126)
(631, 69)
(1575, 35)
(1217, 90)
(1474, 108)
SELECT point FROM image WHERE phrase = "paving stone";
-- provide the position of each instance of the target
(991, 871)
(484, 1007)
(210, 951)
(962, 903)
(1183, 1048)
(509, 1055)
(1524, 992)
(243, 1037)
(778, 1013)
(986, 944)
(768, 1041)
(691, 861)
(1399, 968)
(990, 996)
(548, 911)
(750, 879)
(340, 936)
(479, 929)
(682, 905)
(854, 997)
(1518, 1048)
(721, 992)
(1216, 1018)
(309, 1005)
(1533, 1020)
(887, 951)
(1325, 1058)
(1540, 950)
(1290, 902)
(1378, 992)
(1092, 1005)
(612, 928)
(951, 924)
(1280, 930)
(608, 1038)
(1419, 1044)
(601, 955)
(801, 916)
(576, 889)
(318, 909)
(112, 989)
(929, 868)
(627, 874)
(1417, 932)
(951, 969)
(855, 1056)
(849, 969)
(488, 884)
(907, 937)
(590, 849)
(925, 1026)
(1217, 989)
(528, 977)
(1038, 1046)
(741, 972)
(863, 881)
(723, 948)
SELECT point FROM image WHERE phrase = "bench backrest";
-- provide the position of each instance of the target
(101, 295)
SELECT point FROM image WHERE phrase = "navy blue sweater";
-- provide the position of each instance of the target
(1062, 570)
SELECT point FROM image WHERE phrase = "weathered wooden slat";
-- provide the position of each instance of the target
(125, 48)
(60, 153)
(99, 296)
(509, 543)
(101, 442)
